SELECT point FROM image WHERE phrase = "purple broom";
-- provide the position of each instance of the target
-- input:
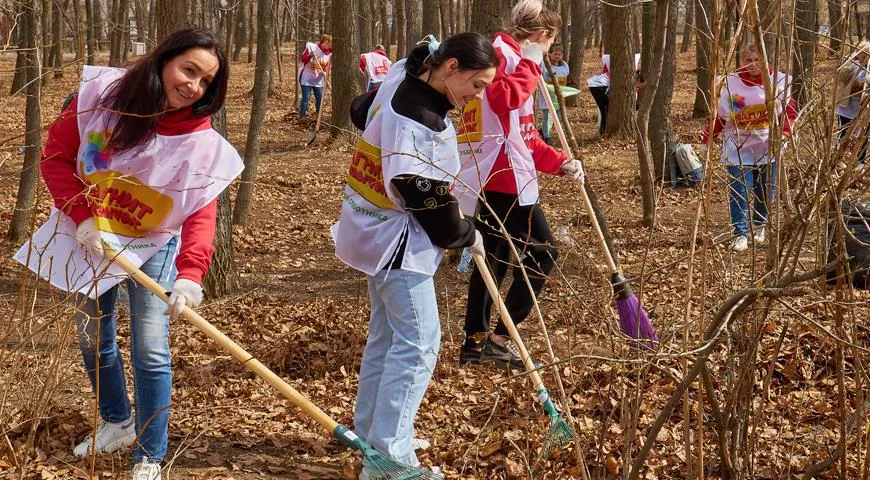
(633, 320)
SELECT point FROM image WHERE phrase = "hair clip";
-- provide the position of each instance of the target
(432, 42)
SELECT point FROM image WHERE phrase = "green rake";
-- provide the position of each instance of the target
(378, 465)
(559, 433)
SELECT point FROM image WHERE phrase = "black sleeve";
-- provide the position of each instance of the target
(359, 108)
(436, 209)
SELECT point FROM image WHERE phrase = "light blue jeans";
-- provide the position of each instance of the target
(306, 96)
(398, 361)
(750, 182)
(149, 351)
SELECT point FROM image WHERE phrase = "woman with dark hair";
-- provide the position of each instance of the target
(133, 162)
(503, 156)
(397, 215)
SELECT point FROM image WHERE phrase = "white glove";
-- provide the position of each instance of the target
(477, 247)
(89, 237)
(184, 293)
(533, 52)
(573, 168)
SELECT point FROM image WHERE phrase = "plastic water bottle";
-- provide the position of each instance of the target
(464, 261)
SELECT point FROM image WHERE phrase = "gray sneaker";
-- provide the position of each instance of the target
(507, 356)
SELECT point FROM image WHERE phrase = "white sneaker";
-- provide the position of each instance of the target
(110, 437)
(739, 244)
(759, 235)
(146, 469)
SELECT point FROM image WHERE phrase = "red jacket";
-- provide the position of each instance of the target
(505, 94)
(58, 168)
(752, 81)
(307, 56)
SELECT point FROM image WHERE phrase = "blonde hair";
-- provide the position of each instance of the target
(325, 38)
(863, 47)
(530, 16)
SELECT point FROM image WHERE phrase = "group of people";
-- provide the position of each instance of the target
(119, 167)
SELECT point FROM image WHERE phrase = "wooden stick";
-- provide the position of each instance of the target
(227, 344)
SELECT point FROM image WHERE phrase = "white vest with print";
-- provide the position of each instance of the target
(139, 198)
(746, 135)
(377, 66)
(481, 139)
(309, 77)
(373, 219)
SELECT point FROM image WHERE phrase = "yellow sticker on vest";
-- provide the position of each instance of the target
(366, 176)
(123, 205)
(471, 124)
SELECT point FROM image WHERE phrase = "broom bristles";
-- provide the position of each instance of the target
(633, 320)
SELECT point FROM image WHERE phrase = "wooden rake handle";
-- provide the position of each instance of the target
(227, 344)
(611, 264)
(507, 320)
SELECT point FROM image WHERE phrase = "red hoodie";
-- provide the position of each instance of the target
(753, 81)
(505, 94)
(58, 168)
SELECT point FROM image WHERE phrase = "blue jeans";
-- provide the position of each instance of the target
(306, 95)
(761, 181)
(545, 124)
(398, 361)
(149, 351)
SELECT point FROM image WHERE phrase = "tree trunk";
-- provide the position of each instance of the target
(57, 32)
(241, 31)
(803, 52)
(170, 16)
(647, 38)
(444, 10)
(430, 18)
(564, 32)
(258, 112)
(364, 19)
(400, 27)
(98, 18)
(344, 73)
(621, 107)
(835, 20)
(647, 186)
(413, 24)
(703, 54)
(141, 16)
(663, 139)
(576, 50)
(688, 25)
(229, 29)
(118, 25)
(91, 32)
(486, 16)
(45, 33)
(250, 31)
(385, 25)
(29, 178)
(77, 30)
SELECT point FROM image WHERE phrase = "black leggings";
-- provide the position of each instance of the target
(531, 235)
(601, 99)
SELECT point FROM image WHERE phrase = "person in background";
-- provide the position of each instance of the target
(851, 82)
(375, 65)
(502, 153)
(599, 87)
(560, 69)
(743, 120)
(312, 77)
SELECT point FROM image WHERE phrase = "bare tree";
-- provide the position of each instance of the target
(835, 20)
(118, 25)
(413, 23)
(662, 138)
(385, 25)
(91, 35)
(258, 111)
(345, 84)
(486, 16)
(170, 15)
(621, 107)
(703, 54)
(241, 27)
(29, 177)
(688, 26)
(804, 51)
(430, 18)
(576, 49)
(400, 28)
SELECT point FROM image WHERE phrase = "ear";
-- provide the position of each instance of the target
(452, 66)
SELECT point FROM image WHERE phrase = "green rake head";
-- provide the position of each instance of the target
(379, 466)
(559, 434)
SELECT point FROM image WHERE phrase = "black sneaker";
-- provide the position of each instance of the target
(470, 351)
(507, 356)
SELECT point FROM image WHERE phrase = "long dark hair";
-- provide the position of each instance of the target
(471, 49)
(139, 93)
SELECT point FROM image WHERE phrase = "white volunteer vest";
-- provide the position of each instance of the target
(139, 198)
(377, 66)
(308, 76)
(373, 219)
(561, 72)
(746, 134)
(481, 139)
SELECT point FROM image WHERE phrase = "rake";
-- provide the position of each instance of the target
(559, 433)
(633, 319)
(378, 465)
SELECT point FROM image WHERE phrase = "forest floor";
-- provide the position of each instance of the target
(303, 314)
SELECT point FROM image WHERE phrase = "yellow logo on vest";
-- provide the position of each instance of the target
(366, 176)
(471, 123)
(123, 205)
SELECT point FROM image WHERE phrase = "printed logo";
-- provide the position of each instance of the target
(94, 158)
(123, 205)
(471, 123)
(366, 175)
(737, 102)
